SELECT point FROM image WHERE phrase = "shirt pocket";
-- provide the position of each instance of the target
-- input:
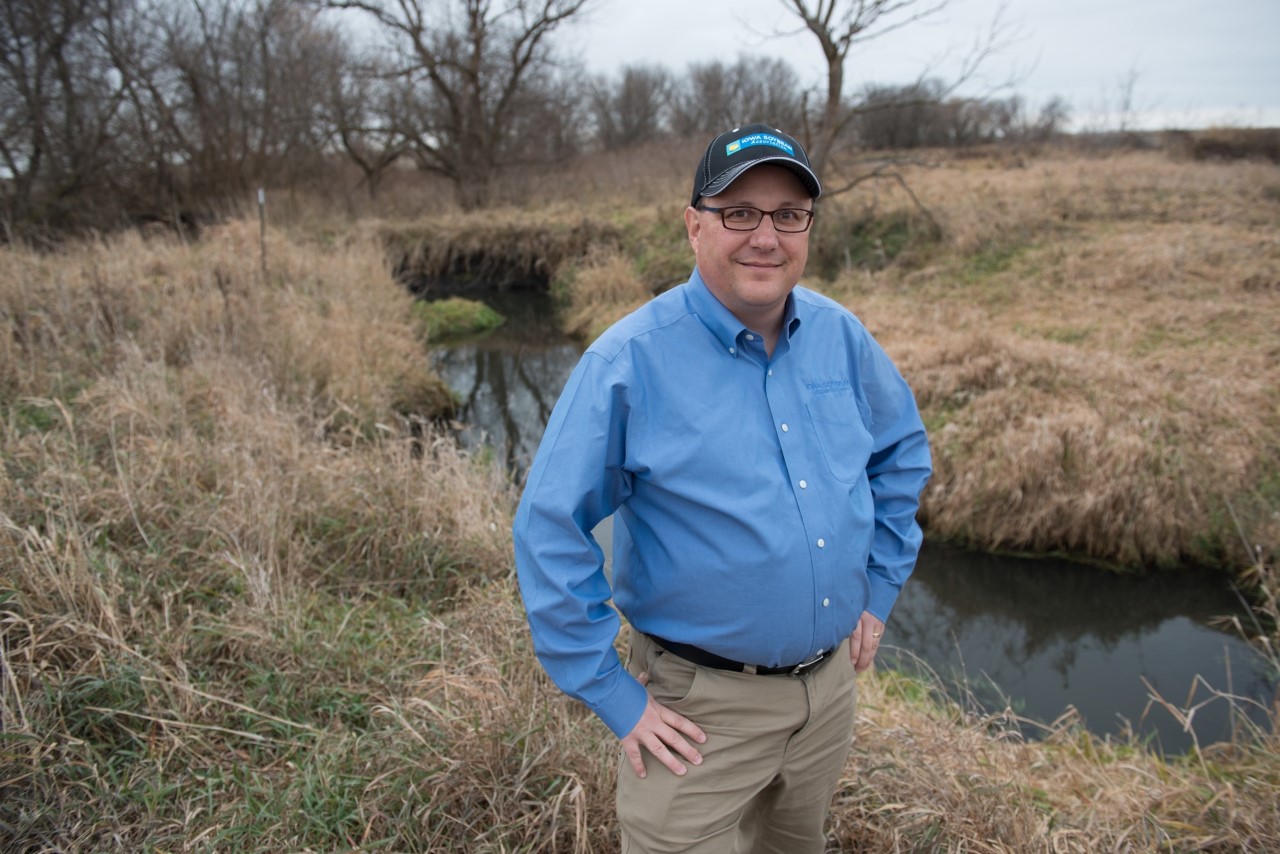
(842, 434)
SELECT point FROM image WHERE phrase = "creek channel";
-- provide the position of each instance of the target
(1041, 637)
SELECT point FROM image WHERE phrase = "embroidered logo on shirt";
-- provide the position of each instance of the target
(827, 386)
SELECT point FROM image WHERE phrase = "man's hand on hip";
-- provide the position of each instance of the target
(864, 641)
(661, 731)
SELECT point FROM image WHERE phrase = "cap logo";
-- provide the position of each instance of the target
(758, 139)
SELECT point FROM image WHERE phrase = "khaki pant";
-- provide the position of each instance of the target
(774, 752)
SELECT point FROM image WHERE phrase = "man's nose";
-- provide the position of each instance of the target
(765, 234)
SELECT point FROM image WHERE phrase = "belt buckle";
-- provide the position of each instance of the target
(805, 666)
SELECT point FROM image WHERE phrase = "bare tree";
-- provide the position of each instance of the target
(920, 114)
(714, 96)
(61, 95)
(250, 81)
(839, 26)
(1052, 119)
(118, 110)
(548, 119)
(472, 64)
(1013, 122)
(898, 117)
(632, 109)
(1126, 105)
(367, 111)
(704, 100)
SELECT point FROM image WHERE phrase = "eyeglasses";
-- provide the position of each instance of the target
(744, 218)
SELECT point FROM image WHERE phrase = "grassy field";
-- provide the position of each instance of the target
(252, 599)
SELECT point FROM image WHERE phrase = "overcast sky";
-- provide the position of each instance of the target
(1192, 62)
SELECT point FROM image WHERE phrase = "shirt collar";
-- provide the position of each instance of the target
(722, 323)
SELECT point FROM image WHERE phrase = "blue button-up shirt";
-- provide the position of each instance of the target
(762, 503)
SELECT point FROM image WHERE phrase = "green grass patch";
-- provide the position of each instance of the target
(867, 241)
(914, 689)
(991, 260)
(1073, 335)
(34, 416)
(660, 251)
(455, 317)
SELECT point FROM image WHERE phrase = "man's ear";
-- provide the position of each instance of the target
(692, 225)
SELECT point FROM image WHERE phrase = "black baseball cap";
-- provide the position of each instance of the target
(735, 151)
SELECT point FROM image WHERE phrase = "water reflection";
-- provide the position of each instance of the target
(1047, 635)
(508, 381)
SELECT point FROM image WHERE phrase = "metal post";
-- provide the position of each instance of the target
(262, 229)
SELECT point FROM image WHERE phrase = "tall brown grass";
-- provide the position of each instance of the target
(197, 460)
(598, 289)
(251, 599)
(1094, 347)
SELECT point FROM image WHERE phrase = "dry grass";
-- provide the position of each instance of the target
(1094, 348)
(930, 777)
(197, 460)
(599, 290)
(70, 318)
(925, 774)
(497, 248)
(250, 600)
(360, 725)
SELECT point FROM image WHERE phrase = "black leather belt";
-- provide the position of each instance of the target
(698, 655)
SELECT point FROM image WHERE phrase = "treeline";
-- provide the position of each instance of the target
(116, 112)
(124, 110)
(641, 103)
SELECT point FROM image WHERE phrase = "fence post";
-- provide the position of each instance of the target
(262, 229)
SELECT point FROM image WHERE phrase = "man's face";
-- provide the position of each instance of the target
(752, 272)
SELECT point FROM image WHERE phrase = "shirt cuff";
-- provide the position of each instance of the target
(622, 709)
(883, 596)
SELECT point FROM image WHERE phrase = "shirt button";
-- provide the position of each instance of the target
(751, 337)
(826, 602)
(771, 372)
(822, 543)
(732, 351)
(785, 428)
(804, 484)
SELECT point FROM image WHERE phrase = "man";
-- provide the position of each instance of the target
(764, 459)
